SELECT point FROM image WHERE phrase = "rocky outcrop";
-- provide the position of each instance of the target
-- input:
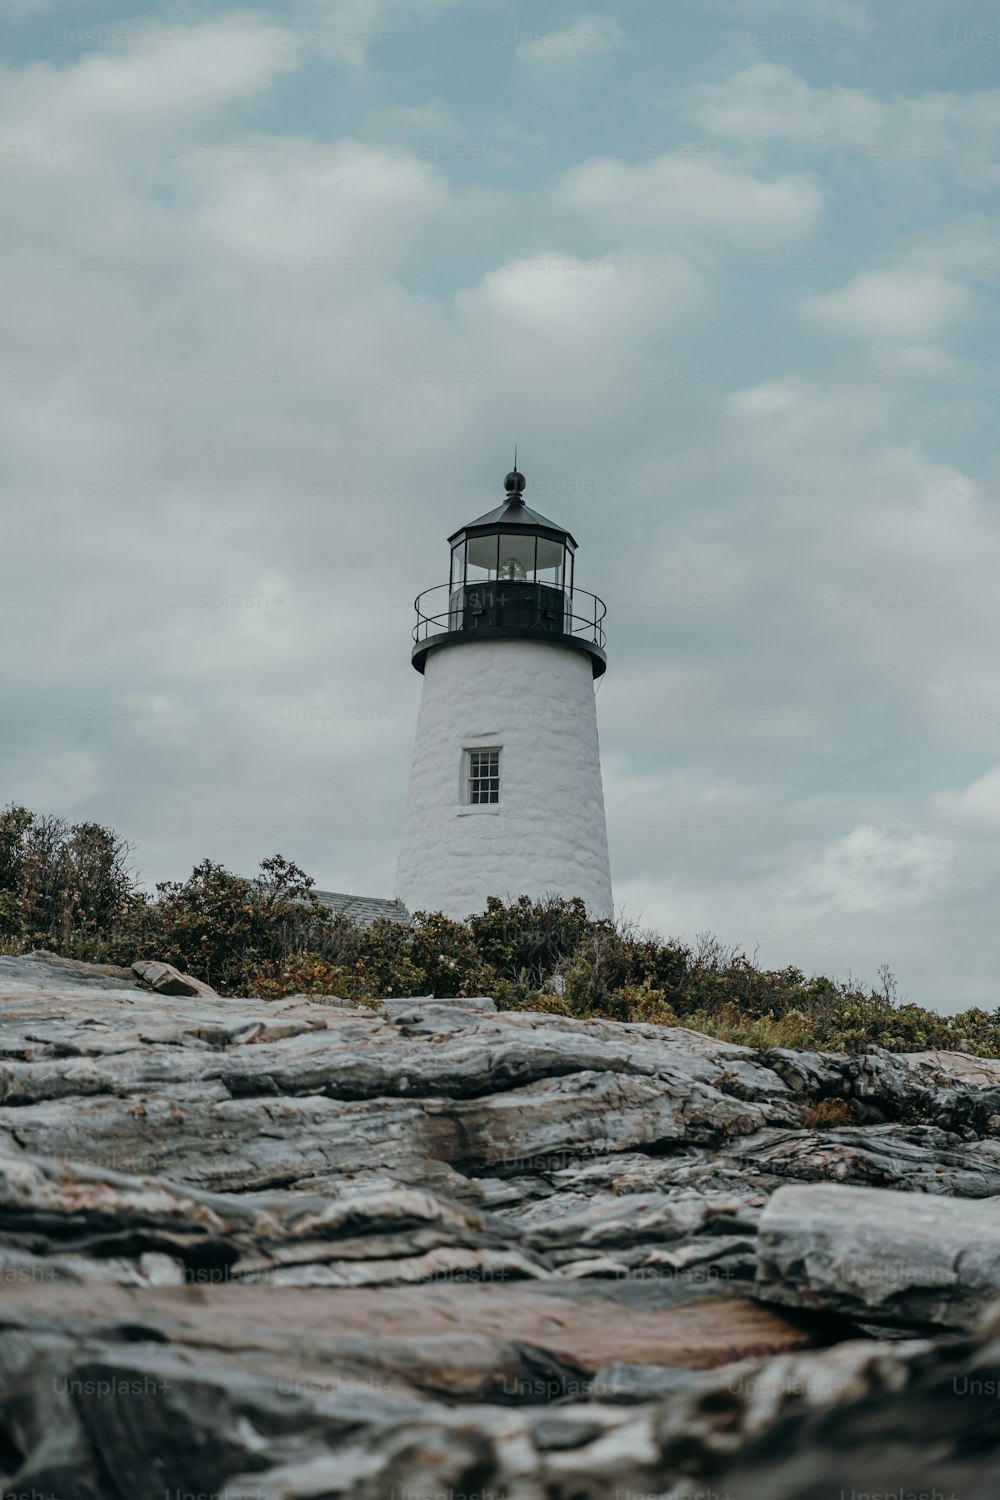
(303, 1248)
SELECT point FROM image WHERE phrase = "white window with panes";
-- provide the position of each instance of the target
(481, 777)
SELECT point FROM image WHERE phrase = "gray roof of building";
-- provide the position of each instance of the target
(363, 910)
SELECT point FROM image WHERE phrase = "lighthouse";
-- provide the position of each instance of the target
(505, 795)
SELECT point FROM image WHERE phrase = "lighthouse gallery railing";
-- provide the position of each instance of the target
(532, 609)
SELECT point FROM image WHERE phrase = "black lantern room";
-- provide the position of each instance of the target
(512, 577)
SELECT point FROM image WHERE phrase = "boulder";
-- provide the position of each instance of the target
(896, 1258)
(167, 980)
(942, 1068)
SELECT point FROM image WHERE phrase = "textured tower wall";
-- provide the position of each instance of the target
(548, 833)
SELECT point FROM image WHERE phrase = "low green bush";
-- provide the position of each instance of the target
(68, 888)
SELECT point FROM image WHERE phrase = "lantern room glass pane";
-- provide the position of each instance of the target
(550, 562)
(481, 558)
(457, 563)
(517, 557)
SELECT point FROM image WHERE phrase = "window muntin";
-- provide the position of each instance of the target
(483, 777)
(458, 564)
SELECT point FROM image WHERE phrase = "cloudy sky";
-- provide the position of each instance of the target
(282, 285)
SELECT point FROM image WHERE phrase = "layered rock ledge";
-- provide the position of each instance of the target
(301, 1248)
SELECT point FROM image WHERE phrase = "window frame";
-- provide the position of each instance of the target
(467, 753)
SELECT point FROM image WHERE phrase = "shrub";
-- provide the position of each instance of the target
(527, 941)
(68, 888)
(223, 927)
(297, 974)
(61, 884)
(644, 1002)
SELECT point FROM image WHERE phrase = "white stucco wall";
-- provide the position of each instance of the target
(535, 701)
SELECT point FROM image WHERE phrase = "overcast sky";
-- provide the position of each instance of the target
(283, 284)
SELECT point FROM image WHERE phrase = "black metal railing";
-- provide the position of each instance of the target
(529, 609)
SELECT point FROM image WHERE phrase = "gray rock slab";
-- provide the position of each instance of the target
(901, 1258)
(922, 1158)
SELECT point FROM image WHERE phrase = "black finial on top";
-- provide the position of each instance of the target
(515, 482)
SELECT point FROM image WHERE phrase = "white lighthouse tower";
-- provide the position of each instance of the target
(505, 793)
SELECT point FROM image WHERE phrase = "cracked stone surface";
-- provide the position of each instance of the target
(299, 1249)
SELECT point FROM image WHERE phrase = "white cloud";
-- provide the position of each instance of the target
(769, 103)
(350, 30)
(588, 37)
(773, 399)
(968, 247)
(892, 305)
(174, 78)
(298, 199)
(871, 868)
(674, 195)
(977, 806)
(557, 329)
(595, 304)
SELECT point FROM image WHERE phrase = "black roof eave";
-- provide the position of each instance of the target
(481, 528)
(516, 516)
(510, 517)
